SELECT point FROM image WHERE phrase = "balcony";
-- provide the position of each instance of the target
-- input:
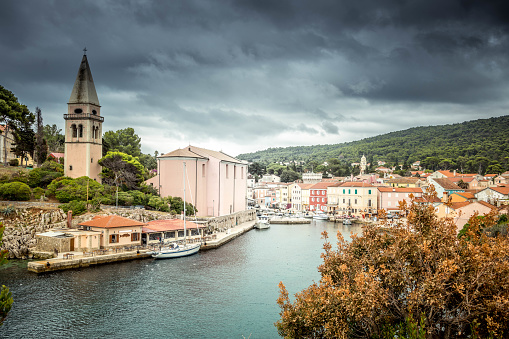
(83, 116)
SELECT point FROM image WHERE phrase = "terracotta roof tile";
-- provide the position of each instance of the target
(447, 184)
(400, 189)
(111, 221)
(169, 225)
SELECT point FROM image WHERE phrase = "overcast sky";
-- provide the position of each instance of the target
(242, 76)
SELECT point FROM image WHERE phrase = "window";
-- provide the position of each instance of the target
(181, 234)
(348, 191)
(343, 200)
(203, 170)
(369, 191)
(389, 195)
(70, 167)
(397, 195)
(355, 191)
(74, 131)
(343, 191)
(312, 199)
(369, 203)
(323, 199)
(388, 203)
(78, 110)
(135, 237)
(80, 130)
(114, 238)
(94, 112)
(355, 202)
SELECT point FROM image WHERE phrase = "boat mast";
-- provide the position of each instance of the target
(185, 231)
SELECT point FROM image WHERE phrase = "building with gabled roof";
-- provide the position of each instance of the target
(114, 230)
(443, 185)
(389, 197)
(461, 212)
(170, 230)
(494, 195)
(216, 183)
(356, 198)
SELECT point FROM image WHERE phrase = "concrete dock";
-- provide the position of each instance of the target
(72, 260)
(290, 221)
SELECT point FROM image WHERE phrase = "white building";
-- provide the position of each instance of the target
(311, 177)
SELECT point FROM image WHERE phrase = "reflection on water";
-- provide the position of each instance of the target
(229, 292)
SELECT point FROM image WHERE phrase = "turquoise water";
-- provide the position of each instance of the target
(229, 292)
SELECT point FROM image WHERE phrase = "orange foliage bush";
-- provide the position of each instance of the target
(417, 272)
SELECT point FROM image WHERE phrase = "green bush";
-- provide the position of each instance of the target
(38, 192)
(158, 204)
(125, 199)
(52, 166)
(77, 207)
(15, 191)
(139, 198)
(14, 162)
(40, 177)
(66, 189)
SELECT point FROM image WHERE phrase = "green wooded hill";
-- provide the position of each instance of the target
(477, 146)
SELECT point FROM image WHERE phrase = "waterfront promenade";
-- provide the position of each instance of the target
(71, 260)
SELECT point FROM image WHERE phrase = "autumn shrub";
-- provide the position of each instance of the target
(15, 191)
(77, 207)
(417, 276)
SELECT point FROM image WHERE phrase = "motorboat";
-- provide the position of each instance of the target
(263, 222)
(321, 216)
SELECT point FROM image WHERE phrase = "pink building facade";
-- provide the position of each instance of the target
(389, 197)
(216, 183)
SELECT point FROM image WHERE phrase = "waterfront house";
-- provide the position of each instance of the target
(67, 240)
(304, 189)
(170, 230)
(333, 193)
(295, 196)
(357, 198)
(318, 196)
(114, 231)
(389, 197)
(216, 183)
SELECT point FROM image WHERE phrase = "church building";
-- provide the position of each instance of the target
(83, 127)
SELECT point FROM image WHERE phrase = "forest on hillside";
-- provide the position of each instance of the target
(477, 146)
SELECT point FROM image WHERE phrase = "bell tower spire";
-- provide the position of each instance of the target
(83, 127)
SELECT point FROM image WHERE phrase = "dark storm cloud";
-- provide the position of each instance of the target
(253, 74)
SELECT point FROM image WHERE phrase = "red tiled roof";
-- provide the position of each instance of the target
(456, 205)
(400, 189)
(57, 155)
(487, 204)
(466, 195)
(491, 175)
(464, 179)
(355, 184)
(111, 221)
(447, 173)
(501, 189)
(169, 225)
(322, 185)
(447, 184)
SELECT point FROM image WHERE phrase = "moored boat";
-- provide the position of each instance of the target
(262, 222)
(321, 216)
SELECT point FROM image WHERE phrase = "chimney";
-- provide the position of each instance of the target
(445, 197)
(69, 219)
(454, 173)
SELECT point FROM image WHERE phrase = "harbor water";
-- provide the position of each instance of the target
(229, 292)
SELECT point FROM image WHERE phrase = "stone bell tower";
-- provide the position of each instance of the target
(83, 127)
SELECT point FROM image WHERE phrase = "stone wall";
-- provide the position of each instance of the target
(220, 224)
(25, 222)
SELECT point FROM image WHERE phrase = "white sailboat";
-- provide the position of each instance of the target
(178, 250)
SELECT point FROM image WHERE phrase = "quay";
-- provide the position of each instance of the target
(73, 260)
(289, 221)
